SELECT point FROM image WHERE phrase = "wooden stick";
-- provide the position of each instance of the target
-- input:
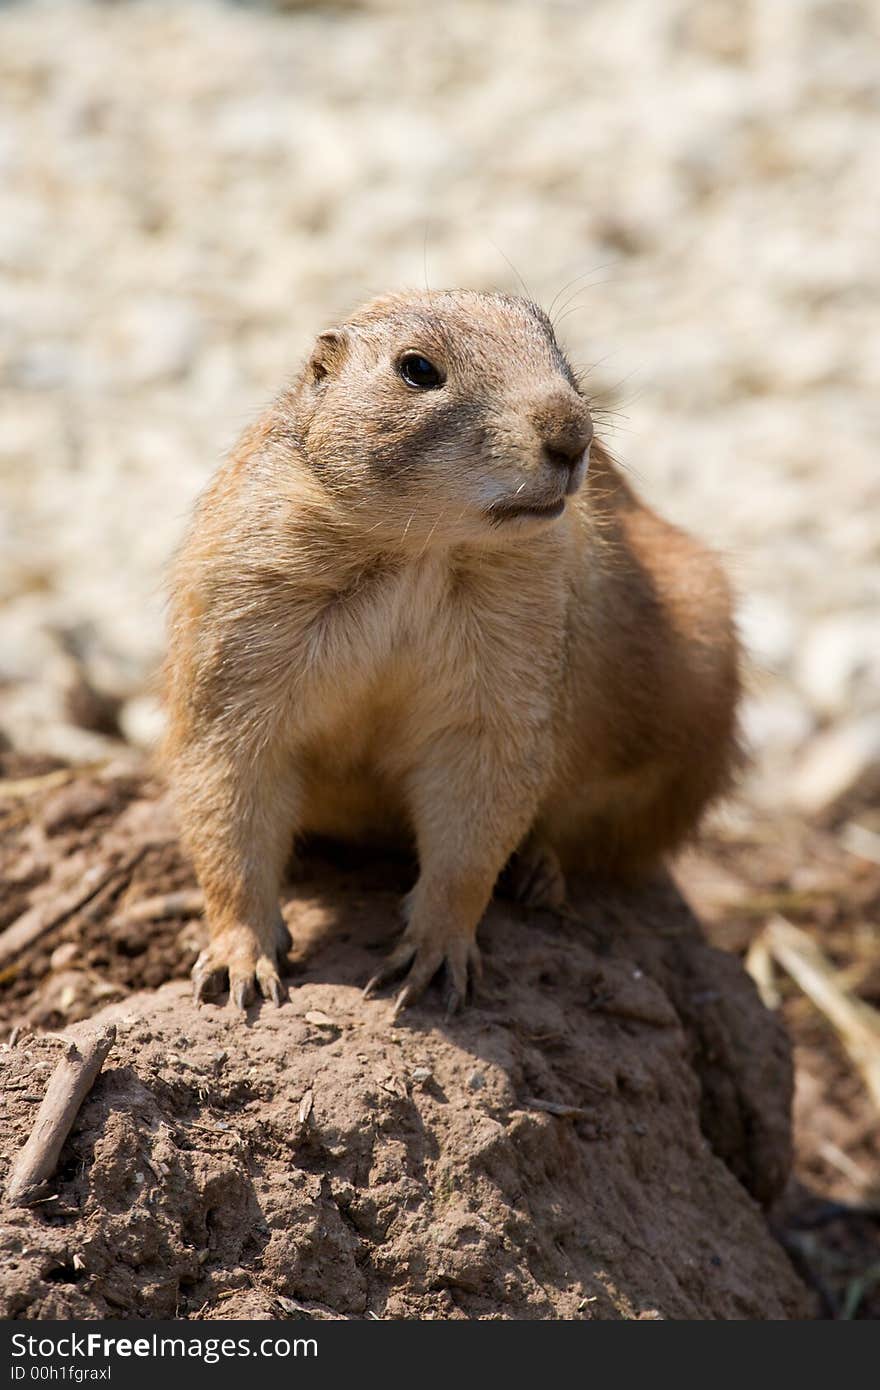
(857, 1023)
(52, 911)
(13, 788)
(68, 1087)
(48, 914)
(552, 1107)
(185, 902)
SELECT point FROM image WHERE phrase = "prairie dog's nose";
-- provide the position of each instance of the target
(565, 434)
(566, 451)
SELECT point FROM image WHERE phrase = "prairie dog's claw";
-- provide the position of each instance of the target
(237, 955)
(207, 982)
(459, 955)
(404, 997)
(454, 1003)
(272, 989)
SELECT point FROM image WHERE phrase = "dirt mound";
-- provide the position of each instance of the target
(579, 1144)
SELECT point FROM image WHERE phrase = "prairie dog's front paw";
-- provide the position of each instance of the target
(237, 954)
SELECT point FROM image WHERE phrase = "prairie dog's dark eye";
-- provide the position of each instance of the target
(417, 371)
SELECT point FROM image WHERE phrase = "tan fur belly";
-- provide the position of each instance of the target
(348, 787)
(360, 806)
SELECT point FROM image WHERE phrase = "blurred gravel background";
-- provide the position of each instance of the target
(189, 191)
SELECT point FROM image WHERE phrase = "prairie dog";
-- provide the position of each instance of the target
(420, 601)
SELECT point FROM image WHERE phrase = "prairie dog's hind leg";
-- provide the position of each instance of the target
(533, 876)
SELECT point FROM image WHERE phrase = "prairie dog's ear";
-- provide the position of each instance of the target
(329, 352)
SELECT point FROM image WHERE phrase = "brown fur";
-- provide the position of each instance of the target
(365, 640)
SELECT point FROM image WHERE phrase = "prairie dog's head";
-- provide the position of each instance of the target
(448, 414)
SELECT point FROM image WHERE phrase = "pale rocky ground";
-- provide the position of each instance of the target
(190, 190)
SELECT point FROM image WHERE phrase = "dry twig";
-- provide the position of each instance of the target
(68, 1087)
(856, 1023)
(185, 902)
(53, 910)
(552, 1107)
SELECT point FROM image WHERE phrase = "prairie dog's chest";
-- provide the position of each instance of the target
(390, 626)
(428, 642)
